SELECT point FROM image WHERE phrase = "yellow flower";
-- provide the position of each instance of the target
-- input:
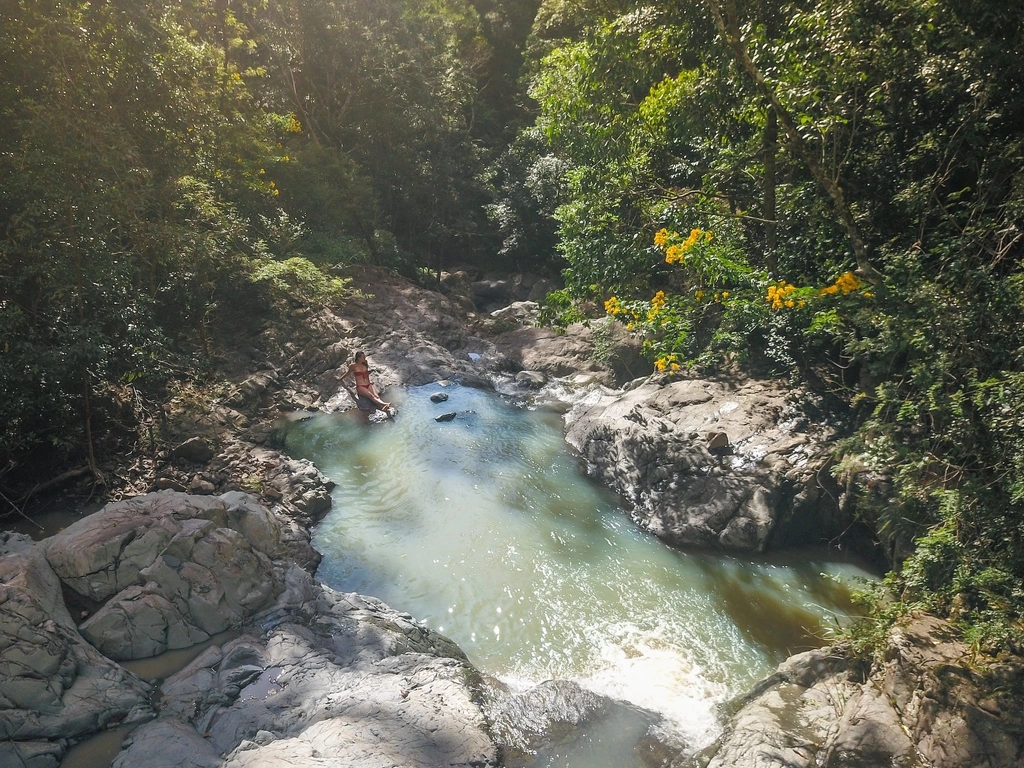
(694, 236)
(675, 367)
(778, 294)
(612, 306)
(661, 237)
(847, 282)
(674, 253)
(867, 294)
(657, 303)
(699, 295)
(725, 294)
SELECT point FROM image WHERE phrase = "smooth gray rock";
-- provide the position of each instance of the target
(167, 743)
(603, 348)
(539, 725)
(173, 569)
(712, 463)
(30, 754)
(520, 313)
(338, 680)
(923, 705)
(53, 684)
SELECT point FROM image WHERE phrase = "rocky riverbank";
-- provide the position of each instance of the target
(213, 533)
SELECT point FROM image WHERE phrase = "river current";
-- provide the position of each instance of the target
(487, 529)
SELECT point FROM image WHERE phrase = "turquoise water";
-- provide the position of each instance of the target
(487, 530)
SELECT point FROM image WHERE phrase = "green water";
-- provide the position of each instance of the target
(487, 530)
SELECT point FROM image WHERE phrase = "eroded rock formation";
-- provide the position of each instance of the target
(927, 703)
(713, 463)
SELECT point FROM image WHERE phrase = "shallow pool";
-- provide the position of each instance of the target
(486, 528)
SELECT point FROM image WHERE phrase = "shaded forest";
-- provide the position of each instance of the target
(828, 190)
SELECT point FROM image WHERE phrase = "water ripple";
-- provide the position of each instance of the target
(486, 529)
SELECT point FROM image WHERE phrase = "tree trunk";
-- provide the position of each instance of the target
(727, 24)
(770, 148)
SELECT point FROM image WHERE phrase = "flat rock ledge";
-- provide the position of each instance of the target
(925, 705)
(712, 463)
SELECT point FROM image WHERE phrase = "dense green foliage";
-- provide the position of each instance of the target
(168, 162)
(834, 188)
(828, 189)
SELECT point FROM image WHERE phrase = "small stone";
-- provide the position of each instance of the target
(446, 416)
(531, 379)
(201, 486)
(717, 441)
(194, 449)
(438, 397)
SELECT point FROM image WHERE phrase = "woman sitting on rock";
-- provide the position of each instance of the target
(364, 386)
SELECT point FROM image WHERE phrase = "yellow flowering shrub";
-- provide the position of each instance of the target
(847, 283)
(779, 293)
(675, 251)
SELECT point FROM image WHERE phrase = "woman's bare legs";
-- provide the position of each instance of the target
(371, 394)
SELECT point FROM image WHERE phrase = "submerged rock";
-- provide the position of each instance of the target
(439, 397)
(446, 416)
(712, 463)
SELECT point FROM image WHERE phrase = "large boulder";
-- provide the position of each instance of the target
(336, 680)
(556, 717)
(602, 349)
(53, 684)
(713, 463)
(925, 704)
(170, 569)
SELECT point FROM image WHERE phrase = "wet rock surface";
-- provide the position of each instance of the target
(734, 466)
(924, 704)
(540, 722)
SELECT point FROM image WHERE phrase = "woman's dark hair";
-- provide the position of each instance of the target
(360, 354)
